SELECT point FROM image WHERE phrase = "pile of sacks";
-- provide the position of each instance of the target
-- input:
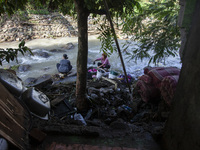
(157, 82)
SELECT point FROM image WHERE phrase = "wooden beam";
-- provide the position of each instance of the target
(14, 120)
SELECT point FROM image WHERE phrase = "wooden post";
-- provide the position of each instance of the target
(117, 44)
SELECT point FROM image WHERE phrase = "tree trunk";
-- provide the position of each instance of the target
(183, 127)
(82, 14)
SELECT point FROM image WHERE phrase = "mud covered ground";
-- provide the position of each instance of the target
(114, 118)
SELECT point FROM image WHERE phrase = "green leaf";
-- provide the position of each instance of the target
(22, 44)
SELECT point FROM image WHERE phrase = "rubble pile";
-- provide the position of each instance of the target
(112, 112)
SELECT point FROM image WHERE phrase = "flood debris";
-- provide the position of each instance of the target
(11, 82)
(62, 109)
(38, 82)
(18, 104)
(37, 102)
(112, 111)
(14, 120)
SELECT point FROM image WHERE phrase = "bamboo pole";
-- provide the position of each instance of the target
(117, 44)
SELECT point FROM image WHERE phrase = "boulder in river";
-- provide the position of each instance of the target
(38, 82)
(42, 54)
(68, 46)
(29, 81)
(57, 51)
(24, 68)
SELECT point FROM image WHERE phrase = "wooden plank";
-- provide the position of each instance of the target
(14, 120)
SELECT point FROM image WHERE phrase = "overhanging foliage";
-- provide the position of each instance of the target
(10, 54)
(154, 28)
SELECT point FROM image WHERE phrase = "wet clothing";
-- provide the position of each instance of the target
(64, 66)
(105, 62)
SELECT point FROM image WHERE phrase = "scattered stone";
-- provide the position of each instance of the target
(68, 46)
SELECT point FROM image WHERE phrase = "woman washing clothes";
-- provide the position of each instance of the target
(64, 66)
(104, 62)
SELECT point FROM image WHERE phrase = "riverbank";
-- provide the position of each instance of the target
(53, 25)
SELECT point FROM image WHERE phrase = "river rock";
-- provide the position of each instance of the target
(68, 46)
(67, 80)
(57, 51)
(29, 81)
(41, 54)
(24, 68)
(40, 81)
(73, 72)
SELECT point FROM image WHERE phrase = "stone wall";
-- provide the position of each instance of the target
(41, 26)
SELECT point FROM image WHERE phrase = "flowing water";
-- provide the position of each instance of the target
(40, 65)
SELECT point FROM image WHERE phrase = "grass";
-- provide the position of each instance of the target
(39, 12)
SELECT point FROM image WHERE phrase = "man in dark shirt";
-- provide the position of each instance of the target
(64, 66)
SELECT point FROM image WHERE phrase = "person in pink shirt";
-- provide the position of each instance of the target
(104, 62)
